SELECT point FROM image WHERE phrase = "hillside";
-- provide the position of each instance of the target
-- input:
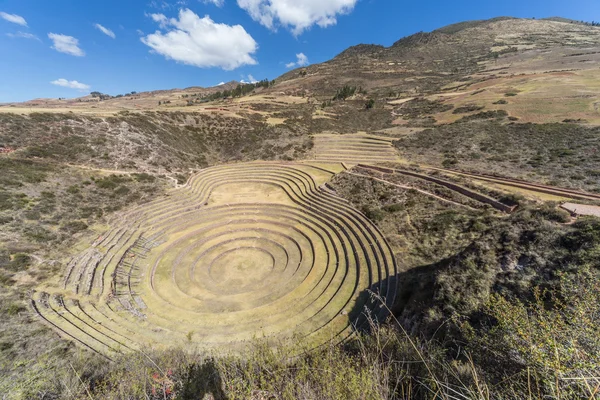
(459, 55)
(391, 223)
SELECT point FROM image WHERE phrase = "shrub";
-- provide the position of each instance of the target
(484, 115)
(122, 190)
(19, 262)
(73, 227)
(38, 233)
(551, 342)
(5, 280)
(392, 208)
(144, 177)
(467, 109)
(111, 181)
(449, 162)
(550, 212)
(14, 309)
(74, 189)
(374, 214)
(344, 93)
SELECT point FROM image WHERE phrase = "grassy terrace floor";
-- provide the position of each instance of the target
(353, 149)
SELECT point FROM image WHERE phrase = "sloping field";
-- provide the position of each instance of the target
(353, 149)
(241, 252)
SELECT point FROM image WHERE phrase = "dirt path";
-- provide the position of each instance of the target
(534, 187)
(108, 171)
(582, 209)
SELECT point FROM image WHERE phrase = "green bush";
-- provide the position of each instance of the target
(111, 182)
(467, 109)
(38, 233)
(74, 189)
(449, 162)
(392, 208)
(6, 280)
(19, 262)
(492, 114)
(122, 190)
(374, 214)
(144, 177)
(344, 93)
(551, 212)
(550, 343)
(14, 309)
(73, 227)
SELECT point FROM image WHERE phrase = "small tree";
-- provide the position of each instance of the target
(370, 104)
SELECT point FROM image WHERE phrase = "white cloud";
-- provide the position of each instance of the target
(23, 35)
(14, 18)
(297, 15)
(71, 84)
(167, 5)
(201, 42)
(249, 79)
(161, 19)
(221, 84)
(301, 61)
(66, 44)
(218, 3)
(106, 31)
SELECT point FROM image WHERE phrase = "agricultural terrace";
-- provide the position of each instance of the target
(352, 149)
(240, 252)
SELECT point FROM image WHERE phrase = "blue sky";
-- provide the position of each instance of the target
(56, 49)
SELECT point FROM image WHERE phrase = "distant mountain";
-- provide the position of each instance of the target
(427, 61)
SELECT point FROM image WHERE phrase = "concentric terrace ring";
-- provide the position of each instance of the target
(242, 251)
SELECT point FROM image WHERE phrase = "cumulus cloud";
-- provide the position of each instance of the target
(66, 44)
(167, 5)
(14, 18)
(71, 84)
(161, 19)
(301, 61)
(201, 42)
(106, 31)
(250, 79)
(296, 15)
(23, 35)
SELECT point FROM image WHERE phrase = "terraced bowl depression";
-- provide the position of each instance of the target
(241, 252)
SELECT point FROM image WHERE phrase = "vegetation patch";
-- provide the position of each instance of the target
(467, 109)
(512, 149)
(421, 108)
(492, 114)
